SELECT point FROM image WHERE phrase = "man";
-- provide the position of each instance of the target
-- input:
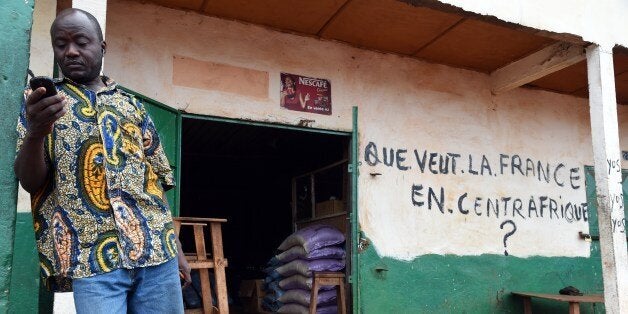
(92, 161)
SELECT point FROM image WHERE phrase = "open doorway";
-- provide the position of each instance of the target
(248, 174)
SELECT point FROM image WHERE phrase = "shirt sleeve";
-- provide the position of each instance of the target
(21, 124)
(21, 129)
(155, 154)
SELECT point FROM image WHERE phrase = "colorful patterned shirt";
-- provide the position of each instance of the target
(102, 206)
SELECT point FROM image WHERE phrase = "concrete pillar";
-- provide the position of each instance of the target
(15, 22)
(606, 155)
(98, 8)
(25, 272)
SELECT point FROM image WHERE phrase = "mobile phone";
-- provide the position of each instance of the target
(46, 82)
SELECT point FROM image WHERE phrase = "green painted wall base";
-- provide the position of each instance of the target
(481, 284)
(25, 273)
(473, 284)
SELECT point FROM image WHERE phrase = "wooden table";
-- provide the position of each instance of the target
(203, 261)
(574, 300)
(328, 279)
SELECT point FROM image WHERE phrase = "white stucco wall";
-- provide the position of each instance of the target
(135, 44)
(41, 59)
(403, 104)
(602, 22)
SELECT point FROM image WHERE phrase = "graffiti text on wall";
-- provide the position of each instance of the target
(505, 208)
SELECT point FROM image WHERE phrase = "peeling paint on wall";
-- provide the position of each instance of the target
(188, 72)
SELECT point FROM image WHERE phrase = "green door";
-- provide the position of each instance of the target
(353, 250)
(168, 123)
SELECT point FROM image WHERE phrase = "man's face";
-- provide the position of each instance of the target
(77, 48)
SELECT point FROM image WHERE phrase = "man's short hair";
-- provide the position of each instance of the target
(91, 18)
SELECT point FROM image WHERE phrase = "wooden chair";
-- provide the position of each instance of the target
(328, 279)
(203, 261)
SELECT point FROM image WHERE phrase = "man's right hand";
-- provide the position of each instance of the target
(41, 113)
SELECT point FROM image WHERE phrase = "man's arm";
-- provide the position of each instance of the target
(282, 98)
(158, 160)
(41, 113)
(184, 266)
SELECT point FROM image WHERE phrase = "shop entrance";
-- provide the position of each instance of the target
(251, 175)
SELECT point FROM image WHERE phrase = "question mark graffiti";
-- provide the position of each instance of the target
(514, 228)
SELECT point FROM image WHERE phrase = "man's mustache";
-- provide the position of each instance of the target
(73, 62)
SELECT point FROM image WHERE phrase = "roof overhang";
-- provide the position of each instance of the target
(427, 30)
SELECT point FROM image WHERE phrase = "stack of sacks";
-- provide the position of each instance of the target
(270, 301)
(312, 249)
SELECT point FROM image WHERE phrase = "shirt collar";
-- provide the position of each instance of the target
(109, 84)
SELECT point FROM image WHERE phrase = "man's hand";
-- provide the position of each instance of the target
(41, 113)
(184, 267)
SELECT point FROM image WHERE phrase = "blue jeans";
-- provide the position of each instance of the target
(153, 289)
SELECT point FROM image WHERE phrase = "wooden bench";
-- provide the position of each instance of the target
(203, 261)
(574, 300)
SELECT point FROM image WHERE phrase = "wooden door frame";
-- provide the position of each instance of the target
(353, 274)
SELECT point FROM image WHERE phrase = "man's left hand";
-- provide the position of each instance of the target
(184, 267)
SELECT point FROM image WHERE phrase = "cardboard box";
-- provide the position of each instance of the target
(329, 207)
(251, 294)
